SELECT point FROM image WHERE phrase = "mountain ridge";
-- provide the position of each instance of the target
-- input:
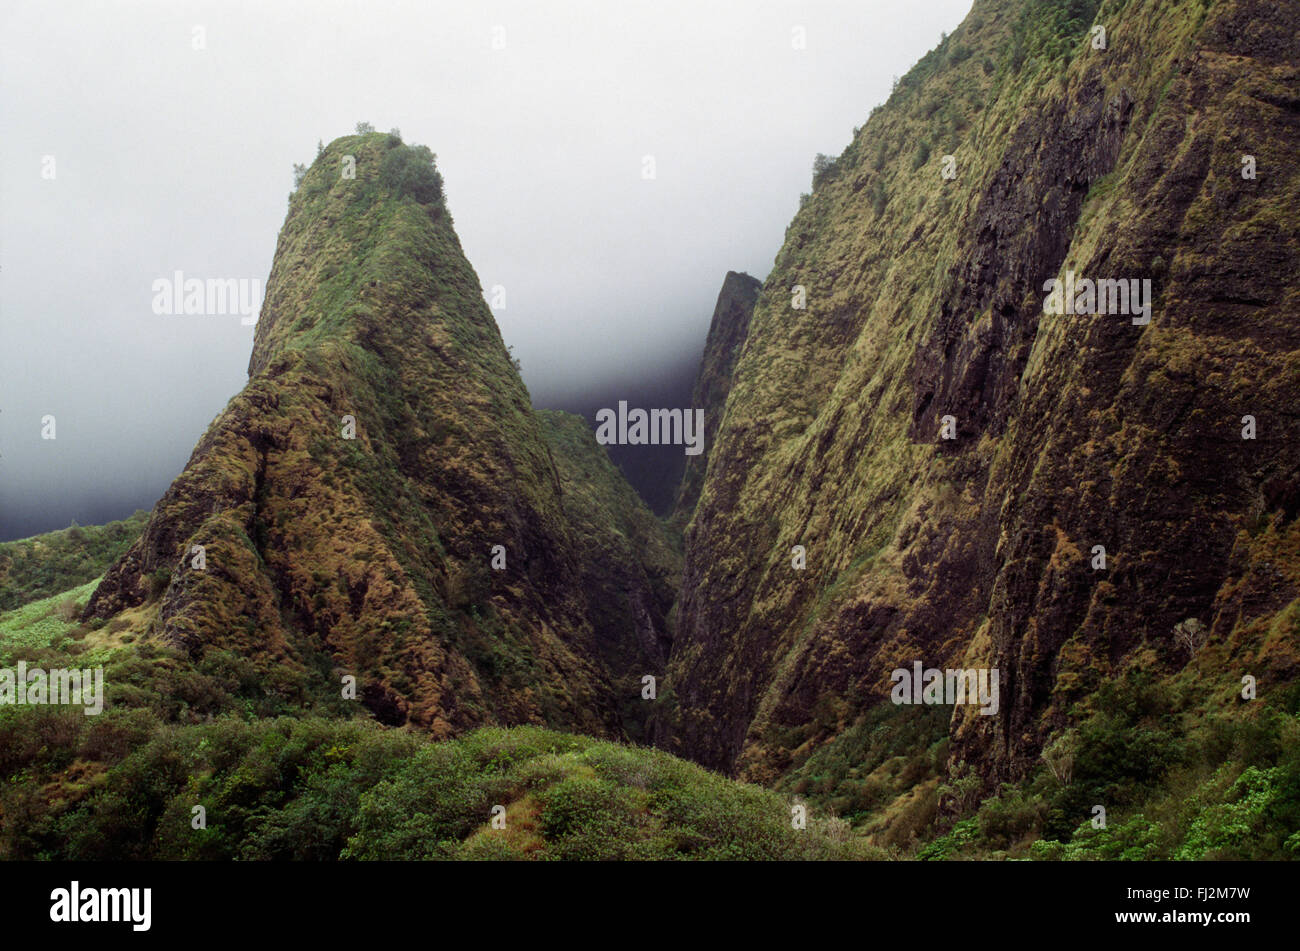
(917, 548)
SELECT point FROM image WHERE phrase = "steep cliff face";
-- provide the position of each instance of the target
(925, 299)
(628, 570)
(350, 501)
(727, 332)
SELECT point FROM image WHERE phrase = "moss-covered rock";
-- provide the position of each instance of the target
(924, 300)
(350, 501)
(727, 332)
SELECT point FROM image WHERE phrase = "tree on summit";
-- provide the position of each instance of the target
(413, 170)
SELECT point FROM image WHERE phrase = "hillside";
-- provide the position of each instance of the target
(44, 565)
(925, 299)
(325, 789)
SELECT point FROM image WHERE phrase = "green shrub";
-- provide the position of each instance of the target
(921, 155)
(412, 170)
(158, 582)
(824, 169)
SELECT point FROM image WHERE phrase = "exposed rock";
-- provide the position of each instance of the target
(925, 300)
(372, 556)
(727, 331)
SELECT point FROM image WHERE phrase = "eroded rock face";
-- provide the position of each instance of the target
(350, 499)
(727, 332)
(925, 299)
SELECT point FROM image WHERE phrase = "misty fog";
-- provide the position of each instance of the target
(131, 154)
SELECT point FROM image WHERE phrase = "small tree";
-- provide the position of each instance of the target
(1059, 756)
(363, 128)
(879, 196)
(413, 170)
(961, 792)
(823, 165)
(1191, 634)
(299, 173)
(921, 155)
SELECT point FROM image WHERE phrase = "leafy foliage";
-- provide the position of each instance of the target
(412, 170)
(321, 789)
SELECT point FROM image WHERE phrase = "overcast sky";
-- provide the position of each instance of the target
(167, 157)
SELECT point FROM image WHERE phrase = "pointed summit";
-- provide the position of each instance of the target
(380, 500)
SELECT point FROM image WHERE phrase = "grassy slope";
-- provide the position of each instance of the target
(43, 622)
(44, 565)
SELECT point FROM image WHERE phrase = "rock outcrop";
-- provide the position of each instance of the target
(381, 501)
(727, 331)
(1017, 151)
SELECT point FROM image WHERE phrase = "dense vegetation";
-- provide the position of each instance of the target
(1177, 782)
(1178, 777)
(287, 769)
(44, 565)
(126, 784)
